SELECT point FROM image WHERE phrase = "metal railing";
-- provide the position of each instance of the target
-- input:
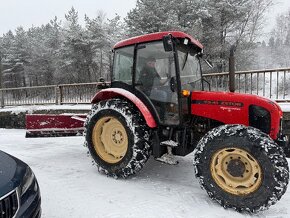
(54, 94)
(269, 83)
(28, 96)
(272, 83)
(77, 93)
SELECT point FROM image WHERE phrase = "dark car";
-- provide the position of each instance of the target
(19, 190)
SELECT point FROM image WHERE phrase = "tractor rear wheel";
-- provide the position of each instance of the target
(117, 138)
(241, 167)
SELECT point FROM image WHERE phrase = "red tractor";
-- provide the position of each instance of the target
(157, 105)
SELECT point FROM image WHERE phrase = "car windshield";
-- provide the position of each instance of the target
(190, 75)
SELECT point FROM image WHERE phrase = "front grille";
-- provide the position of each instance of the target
(9, 205)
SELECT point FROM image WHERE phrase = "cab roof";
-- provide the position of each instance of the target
(155, 37)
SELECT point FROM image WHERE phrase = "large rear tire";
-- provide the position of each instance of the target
(242, 168)
(117, 138)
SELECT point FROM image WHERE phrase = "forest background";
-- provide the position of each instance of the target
(64, 51)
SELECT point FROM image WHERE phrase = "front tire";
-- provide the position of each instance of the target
(117, 138)
(242, 168)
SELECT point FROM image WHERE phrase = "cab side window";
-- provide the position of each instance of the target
(123, 65)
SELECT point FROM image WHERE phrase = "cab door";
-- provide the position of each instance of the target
(158, 80)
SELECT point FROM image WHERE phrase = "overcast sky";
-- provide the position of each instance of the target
(27, 13)
(280, 6)
(14, 13)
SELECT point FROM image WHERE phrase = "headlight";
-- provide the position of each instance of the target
(27, 181)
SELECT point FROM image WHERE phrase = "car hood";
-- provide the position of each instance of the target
(11, 170)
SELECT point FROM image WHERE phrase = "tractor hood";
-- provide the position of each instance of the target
(235, 108)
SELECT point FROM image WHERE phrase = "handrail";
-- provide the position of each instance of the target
(53, 86)
(27, 87)
(247, 72)
(272, 83)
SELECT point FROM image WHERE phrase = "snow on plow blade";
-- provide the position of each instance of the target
(52, 125)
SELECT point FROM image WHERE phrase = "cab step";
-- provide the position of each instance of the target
(169, 143)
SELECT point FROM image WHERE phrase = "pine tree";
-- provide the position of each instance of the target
(15, 54)
(218, 24)
(230, 22)
(74, 48)
(151, 16)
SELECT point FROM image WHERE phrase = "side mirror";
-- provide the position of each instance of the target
(172, 84)
(167, 43)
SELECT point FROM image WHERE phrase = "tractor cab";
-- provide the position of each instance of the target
(156, 68)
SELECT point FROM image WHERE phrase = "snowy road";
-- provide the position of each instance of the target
(72, 187)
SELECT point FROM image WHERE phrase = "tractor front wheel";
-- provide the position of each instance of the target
(117, 138)
(242, 168)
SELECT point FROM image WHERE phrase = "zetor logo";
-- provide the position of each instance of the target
(221, 103)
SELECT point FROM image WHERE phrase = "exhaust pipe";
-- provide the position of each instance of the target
(232, 69)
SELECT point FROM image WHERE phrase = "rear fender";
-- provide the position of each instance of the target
(117, 92)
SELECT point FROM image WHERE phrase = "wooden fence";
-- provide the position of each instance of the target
(274, 84)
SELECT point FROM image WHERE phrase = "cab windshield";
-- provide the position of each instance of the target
(190, 73)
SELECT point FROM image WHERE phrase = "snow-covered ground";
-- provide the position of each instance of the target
(72, 187)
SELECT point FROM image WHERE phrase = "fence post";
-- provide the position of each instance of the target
(56, 94)
(60, 94)
(1, 99)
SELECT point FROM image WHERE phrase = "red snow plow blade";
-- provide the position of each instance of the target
(52, 125)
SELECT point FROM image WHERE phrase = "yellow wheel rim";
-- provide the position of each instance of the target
(110, 139)
(236, 171)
